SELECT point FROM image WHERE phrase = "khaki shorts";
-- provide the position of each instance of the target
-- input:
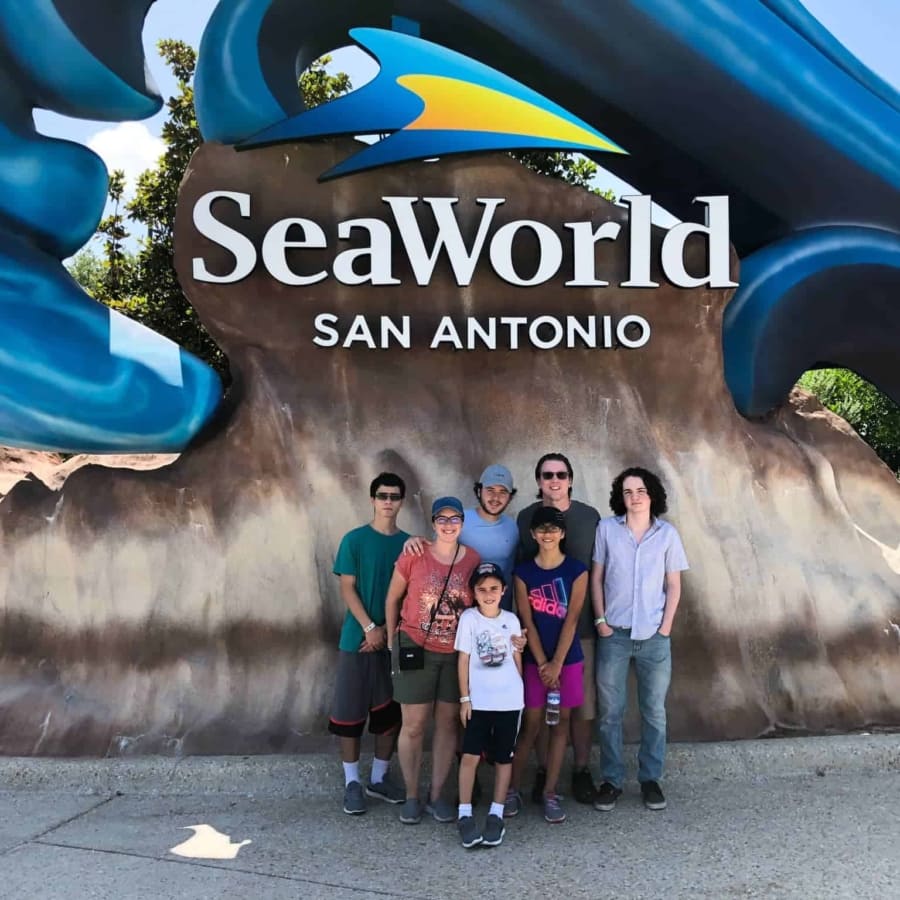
(587, 712)
(438, 680)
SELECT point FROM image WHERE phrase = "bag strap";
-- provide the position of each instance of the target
(434, 609)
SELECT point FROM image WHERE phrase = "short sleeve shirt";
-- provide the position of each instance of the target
(494, 680)
(549, 591)
(634, 574)
(369, 556)
(581, 526)
(494, 542)
(425, 578)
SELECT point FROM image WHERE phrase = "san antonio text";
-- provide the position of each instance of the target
(484, 333)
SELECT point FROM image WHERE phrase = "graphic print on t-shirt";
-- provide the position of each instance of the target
(450, 606)
(550, 599)
(491, 648)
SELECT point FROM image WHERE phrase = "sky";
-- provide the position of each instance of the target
(868, 28)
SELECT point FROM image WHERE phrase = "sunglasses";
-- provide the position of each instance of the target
(548, 529)
(549, 476)
(448, 520)
(384, 495)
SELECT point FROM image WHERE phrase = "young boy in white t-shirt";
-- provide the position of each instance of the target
(491, 701)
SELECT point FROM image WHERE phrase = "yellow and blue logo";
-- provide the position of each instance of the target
(435, 102)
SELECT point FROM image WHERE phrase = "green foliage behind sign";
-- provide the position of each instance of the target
(874, 416)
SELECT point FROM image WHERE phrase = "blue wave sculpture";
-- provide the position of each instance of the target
(75, 375)
(753, 98)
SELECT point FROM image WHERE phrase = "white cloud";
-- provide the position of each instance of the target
(129, 146)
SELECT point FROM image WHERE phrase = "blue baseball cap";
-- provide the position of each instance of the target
(453, 503)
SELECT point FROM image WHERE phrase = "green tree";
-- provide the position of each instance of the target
(88, 270)
(118, 274)
(144, 286)
(569, 167)
(874, 416)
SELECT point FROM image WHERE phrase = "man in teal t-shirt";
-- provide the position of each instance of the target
(363, 688)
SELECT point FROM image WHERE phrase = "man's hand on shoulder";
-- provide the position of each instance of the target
(415, 545)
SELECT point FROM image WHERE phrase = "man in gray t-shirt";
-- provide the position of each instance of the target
(554, 476)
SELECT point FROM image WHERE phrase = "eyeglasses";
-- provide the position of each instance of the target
(448, 520)
(549, 476)
(384, 495)
(548, 529)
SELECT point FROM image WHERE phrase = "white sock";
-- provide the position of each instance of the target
(465, 809)
(351, 772)
(496, 810)
(379, 769)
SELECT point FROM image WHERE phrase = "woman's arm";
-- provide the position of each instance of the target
(396, 590)
(570, 626)
(525, 617)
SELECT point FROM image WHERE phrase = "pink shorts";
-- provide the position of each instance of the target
(571, 686)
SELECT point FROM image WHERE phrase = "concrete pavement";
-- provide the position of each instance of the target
(806, 817)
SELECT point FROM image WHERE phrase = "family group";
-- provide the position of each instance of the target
(520, 631)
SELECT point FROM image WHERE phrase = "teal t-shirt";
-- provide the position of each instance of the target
(369, 556)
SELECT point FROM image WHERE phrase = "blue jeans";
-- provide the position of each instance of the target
(653, 667)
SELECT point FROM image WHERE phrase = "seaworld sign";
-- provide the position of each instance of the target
(372, 262)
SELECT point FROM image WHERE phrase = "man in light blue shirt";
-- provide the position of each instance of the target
(636, 586)
(487, 529)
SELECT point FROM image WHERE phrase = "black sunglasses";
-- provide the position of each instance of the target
(549, 476)
(384, 495)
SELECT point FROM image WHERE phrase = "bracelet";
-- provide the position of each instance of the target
(466, 699)
(600, 620)
(370, 627)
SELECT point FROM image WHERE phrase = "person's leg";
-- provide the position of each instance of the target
(468, 766)
(384, 725)
(531, 724)
(350, 750)
(583, 716)
(385, 744)
(446, 717)
(556, 751)
(348, 716)
(613, 657)
(409, 744)
(653, 665)
(541, 744)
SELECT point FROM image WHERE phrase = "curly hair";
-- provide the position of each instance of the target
(658, 499)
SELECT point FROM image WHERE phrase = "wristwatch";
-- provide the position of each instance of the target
(370, 627)
(600, 620)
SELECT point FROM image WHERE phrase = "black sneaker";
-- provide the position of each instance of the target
(468, 832)
(605, 799)
(583, 788)
(537, 792)
(653, 795)
(494, 829)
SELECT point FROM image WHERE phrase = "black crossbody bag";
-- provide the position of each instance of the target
(411, 658)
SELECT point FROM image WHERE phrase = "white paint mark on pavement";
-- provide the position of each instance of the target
(207, 843)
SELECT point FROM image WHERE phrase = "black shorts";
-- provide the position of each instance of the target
(493, 733)
(363, 690)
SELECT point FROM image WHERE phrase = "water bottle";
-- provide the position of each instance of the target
(553, 700)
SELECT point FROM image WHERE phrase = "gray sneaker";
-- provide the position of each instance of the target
(513, 805)
(468, 832)
(440, 810)
(411, 811)
(494, 829)
(354, 802)
(386, 790)
(553, 811)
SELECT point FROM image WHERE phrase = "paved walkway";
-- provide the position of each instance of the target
(811, 817)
